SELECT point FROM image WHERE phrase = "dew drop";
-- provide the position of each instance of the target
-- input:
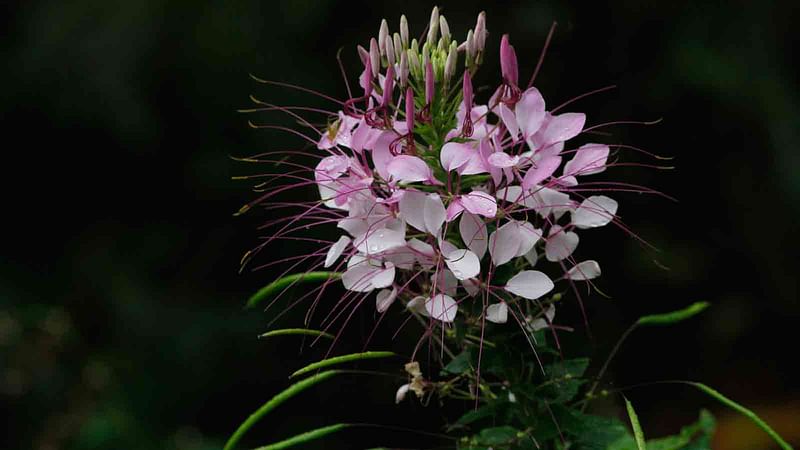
(373, 247)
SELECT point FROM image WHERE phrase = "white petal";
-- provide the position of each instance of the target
(504, 243)
(497, 313)
(401, 393)
(585, 270)
(560, 244)
(417, 304)
(530, 284)
(595, 211)
(423, 252)
(474, 233)
(359, 277)
(379, 240)
(442, 307)
(385, 298)
(434, 213)
(336, 250)
(412, 209)
(385, 277)
(445, 281)
(463, 263)
(532, 256)
(528, 237)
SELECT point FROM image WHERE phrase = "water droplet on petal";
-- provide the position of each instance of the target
(373, 247)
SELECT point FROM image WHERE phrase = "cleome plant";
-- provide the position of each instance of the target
(461, 214)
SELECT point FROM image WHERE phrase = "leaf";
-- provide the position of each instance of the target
(696, 436)
(745, 412)
(293, 331)
(302, 438)
(565, 380)
(638, 434)
(674, 316)
(288, 393)
(497, 435)
(589, 432)
(572, 367)
(281, 284)
(459, 364)
(340, 359)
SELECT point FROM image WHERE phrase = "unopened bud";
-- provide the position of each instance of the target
(374, 56)
(450, 63)
(403, 69)
(442, 45)
(413, 63)
(480, 32)
(410, 109)
(388, 86)
(389, 51)
(383, 34)
(508, 62)
(430, 82)
(470, 47)
(426, 54)
(433, 28)
(404, 31)
(398, 46)
(363, 54)
(444, 28)
(467, 92)
(414, 45)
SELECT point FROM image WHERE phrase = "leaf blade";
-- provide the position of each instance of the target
(674, 316)
(638, 434)
(341, 359)
(283, 283)
(303, 438)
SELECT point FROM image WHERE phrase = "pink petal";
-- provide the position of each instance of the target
(336, 250)
(463, 263)
(474, 234)
(585, 270)
(530, 284)
(481, 203)
(588, 160)
(504, 243)
(544, 168)
(502, 159)
(560, 244)
(385, 298)
(595, 211)
(509, 120)
(454, 209)
(442, 307)
(563, 127)
(434, 213)
(455, 155)
(530, 112)
(409, 169)
(412, 209)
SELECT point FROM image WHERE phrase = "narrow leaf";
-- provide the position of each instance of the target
(288, 393)
(637, 428)
(340, 359)
(745, 412)
(292, 331)
(279, 285)
(302, 438)
(674, 316)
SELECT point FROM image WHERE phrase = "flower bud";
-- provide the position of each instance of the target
(403, 69)
(480, 32)
(389, 52)
(433, 28)
(374, 57)
(413, 63)
(410, 109)
(508, 62)
(398, 46)
(414, 45)
(404, 31)
(470, 47)
(450, 63)
(383, 34)
(388, 86)
(429, 82)
(363, 54)
(467, 88)
(445, 30)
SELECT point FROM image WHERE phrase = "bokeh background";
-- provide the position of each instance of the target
(121, 321)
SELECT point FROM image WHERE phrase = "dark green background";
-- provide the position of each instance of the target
(120, 302)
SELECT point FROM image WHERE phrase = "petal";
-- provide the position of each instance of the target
(401, 393)
(336, 250)
(474, 234)
(530, 284)
(423, 252)
(548, 201)
(504, 243)
(463, 263)
(585, 270)
(412, 209)
(485, 150)
(434, 213)
(509, 120)
(481, 203)
(379, 240)
(544, 168)
(530, 112)
(444, 281)
(595, 211)
(385, 277)
(359, 277)
(528, 237)
(563, 127)
(408, 169)
(588, 160)
(497, 313)
(417, 304)
(381, 155)
(455, 155)
(532, 257)
(442, 307)
(385, 298)
(503, 159)
(472, 286)
(560, 244)
(454, 209)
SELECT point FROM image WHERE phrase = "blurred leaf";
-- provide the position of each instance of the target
(637, 428)
(302, 438)
(288, 393)
(497, 435)
(675, 316)
(281, 284)
(339, 360)
(459, 364)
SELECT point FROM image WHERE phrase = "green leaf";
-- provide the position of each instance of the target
(459, 364)
(302, 438)
(589, 432)
(497, 435)
(573, 367)
(674, 316)
(638, 434)
(339, 360)
(281, 284)
(745, 412)
(288, 393)
(696, 436)
(295, 331)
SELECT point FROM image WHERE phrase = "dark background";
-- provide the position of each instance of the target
(120, 303)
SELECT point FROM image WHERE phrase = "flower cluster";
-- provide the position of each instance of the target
(440, 192)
